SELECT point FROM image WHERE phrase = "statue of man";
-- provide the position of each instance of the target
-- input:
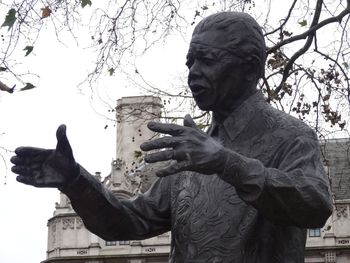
(244, 191)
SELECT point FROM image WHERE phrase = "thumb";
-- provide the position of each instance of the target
(63, 145)
(188, 122)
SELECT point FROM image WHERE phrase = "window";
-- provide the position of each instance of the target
(314, 232)
(111, 243)
(124, 242)
(330, 257)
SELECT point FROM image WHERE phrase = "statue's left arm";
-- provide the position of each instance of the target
(296, 192)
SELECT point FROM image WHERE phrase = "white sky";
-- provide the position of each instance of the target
(30, 118)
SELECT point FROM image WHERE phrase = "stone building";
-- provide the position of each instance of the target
(70, 241)
(331, 244)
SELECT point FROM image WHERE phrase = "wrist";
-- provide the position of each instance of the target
(230, 168)
(72, 178)
(222, 160)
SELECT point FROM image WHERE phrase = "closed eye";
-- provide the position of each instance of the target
(207, 61)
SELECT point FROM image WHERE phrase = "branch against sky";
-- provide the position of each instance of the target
(306, 72)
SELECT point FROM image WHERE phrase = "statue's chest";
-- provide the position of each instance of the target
(203, 196)
(207, 215)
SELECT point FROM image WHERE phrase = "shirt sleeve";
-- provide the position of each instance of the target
(295, 193)
(110, 218)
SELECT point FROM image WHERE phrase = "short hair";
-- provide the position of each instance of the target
(243, 36)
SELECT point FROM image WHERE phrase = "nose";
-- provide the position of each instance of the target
(194, 71)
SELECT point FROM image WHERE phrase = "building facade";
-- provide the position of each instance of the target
(70, 241)
(331, 244)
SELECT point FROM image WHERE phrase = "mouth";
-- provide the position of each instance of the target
(197, 90)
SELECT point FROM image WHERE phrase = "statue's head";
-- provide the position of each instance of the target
(226, 58)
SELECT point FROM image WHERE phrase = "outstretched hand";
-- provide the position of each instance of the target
(46, 168)
(190, 147)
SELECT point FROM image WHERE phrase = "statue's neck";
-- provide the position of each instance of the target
(230, 106)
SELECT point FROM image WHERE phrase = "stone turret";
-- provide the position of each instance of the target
(133, 114)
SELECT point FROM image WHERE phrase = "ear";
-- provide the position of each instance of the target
(250, 71)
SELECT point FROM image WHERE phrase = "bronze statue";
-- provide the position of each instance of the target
(244, 191)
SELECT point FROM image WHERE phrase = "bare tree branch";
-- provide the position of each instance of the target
(285, 20)
(311, 30)
(305, 48)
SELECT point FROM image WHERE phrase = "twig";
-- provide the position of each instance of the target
(284, 20)
(288, 67)
(311, 30)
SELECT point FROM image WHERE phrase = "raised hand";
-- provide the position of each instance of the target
(191, 148)
(46, 168)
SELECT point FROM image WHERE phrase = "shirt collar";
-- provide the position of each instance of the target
(241, 116)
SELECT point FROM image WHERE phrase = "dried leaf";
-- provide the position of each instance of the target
(10, 18)
(28, 86)
(45, 12)
(137, 154)
(28, 50)
(111, 71)
(303, 23)
(85, 3)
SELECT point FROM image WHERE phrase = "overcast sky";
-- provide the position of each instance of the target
(30, 118)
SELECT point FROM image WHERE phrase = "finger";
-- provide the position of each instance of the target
(171, 129)
(165, 156)
(29, 176)
(174, 168)
(29, 160)
(24, 180)
(30, 180)
(159, 156)
(63, 145)
(188, 122)
(164, 142)
(29, 151)
(17, 160)
(21, 170)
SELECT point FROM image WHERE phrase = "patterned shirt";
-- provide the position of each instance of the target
(272, 187)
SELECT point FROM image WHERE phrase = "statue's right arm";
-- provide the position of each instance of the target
(103, 214)
(143, 216)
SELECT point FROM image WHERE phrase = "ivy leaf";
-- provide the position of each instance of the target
(303, 23)
(346, 65)
(45, 12)
(28, 50)
(111, 71)
(28, 86)
(327, 228)
(85, 3)
(10, 18)
(137, 154)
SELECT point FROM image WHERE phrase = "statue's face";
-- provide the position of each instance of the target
(215, 76)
